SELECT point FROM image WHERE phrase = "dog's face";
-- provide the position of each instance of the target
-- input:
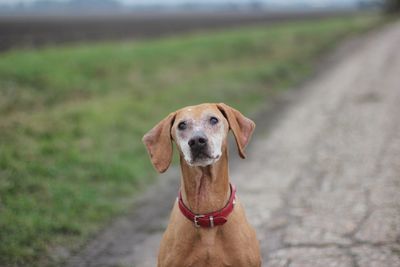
(200, 133)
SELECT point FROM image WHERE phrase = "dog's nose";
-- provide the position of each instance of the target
(198, 141)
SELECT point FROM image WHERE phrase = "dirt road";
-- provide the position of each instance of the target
(321, 186)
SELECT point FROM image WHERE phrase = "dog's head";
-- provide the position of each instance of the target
(200, 133)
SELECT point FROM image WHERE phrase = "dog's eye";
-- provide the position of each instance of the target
(213, 120)
(182, 125)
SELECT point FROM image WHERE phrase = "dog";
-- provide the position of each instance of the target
(207, 225)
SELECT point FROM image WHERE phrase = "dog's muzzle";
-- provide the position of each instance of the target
(198, 144)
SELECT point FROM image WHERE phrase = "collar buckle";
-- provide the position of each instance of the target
(196, 220)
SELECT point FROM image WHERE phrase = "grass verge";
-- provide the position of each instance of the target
(71, 118)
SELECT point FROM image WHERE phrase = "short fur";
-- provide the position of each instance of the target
(205, 188)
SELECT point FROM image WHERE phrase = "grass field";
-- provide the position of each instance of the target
(72, 118)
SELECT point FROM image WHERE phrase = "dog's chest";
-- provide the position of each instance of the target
(212, 250)
(207, 256)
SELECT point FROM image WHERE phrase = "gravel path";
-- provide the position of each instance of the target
(322, 186)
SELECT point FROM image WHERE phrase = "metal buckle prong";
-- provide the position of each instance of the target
(196, 220)
(211, 221)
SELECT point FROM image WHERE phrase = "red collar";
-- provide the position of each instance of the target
(211, 219)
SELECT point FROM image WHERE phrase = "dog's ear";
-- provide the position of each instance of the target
(159, 143)
(241, 126)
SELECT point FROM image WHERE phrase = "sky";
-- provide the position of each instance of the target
(316, 2)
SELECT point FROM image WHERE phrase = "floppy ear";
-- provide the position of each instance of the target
(159, 143)
(241, 126)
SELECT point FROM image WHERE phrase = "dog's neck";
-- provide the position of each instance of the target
(205, 189)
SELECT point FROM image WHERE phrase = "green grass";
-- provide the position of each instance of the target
(72, 118)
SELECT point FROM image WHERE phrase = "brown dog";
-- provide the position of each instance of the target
(208, 226)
